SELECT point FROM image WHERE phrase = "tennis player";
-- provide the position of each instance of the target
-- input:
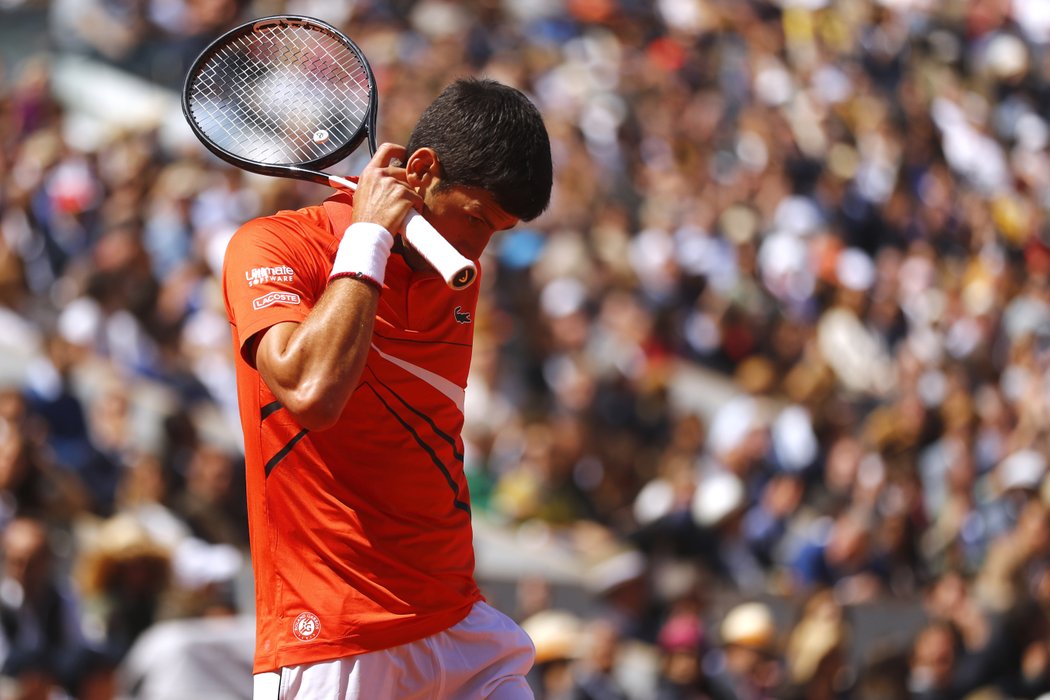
(351, 370)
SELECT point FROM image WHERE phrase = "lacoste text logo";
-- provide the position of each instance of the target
(461, 315)
(275, 298)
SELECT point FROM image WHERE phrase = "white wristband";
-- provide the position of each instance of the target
(363, 253)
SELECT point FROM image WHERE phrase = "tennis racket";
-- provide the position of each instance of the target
(287, 96)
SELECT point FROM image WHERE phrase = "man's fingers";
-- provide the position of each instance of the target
(383, 194)
(389, 154)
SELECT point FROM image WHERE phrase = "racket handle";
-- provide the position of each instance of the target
(457, 271)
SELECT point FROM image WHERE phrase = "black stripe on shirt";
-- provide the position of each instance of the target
(269, 409)
(429, 450)
(284, 451)
(429, 421)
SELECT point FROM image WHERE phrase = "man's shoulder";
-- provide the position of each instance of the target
(299, 234)
(309, 222)
(289, 248)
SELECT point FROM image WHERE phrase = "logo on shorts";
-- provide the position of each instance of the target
(306, 626)
(461, 315)
(275, 298)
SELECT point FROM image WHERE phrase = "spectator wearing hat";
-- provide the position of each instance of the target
(682, 646)
(748, 665)
(620, 582)
(719, 508)
(123, 573)
(557, 636)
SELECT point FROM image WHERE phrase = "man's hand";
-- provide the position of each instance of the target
(383, 194)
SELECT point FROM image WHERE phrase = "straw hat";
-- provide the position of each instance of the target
(556, 634)
(114, 542)
(749, 625)
(719, 495)
(614, 570)
(681, 632)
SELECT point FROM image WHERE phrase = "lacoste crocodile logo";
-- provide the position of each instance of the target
(461, 315)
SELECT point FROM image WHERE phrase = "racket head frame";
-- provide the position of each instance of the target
(305, 170)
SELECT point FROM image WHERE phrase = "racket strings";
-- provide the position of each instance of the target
(283, 95)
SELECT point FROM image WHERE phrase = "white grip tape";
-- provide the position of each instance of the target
(364, 250)
(456, 270)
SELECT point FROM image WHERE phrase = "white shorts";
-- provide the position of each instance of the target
(486, 655)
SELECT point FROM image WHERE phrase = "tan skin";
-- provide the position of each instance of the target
(313, 367)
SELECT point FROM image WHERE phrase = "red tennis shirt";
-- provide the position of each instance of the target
(360, 534)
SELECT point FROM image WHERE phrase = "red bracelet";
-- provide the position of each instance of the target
(358, 276)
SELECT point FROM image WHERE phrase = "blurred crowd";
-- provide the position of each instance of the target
(777, 354)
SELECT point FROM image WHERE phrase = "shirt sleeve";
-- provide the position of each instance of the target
(268, 278)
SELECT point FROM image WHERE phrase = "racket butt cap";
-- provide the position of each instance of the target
(463, 278)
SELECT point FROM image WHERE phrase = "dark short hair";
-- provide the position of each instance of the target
(490, 135)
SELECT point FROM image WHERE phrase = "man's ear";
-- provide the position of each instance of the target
(423, 168)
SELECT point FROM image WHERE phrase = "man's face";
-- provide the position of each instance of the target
(466, 216)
